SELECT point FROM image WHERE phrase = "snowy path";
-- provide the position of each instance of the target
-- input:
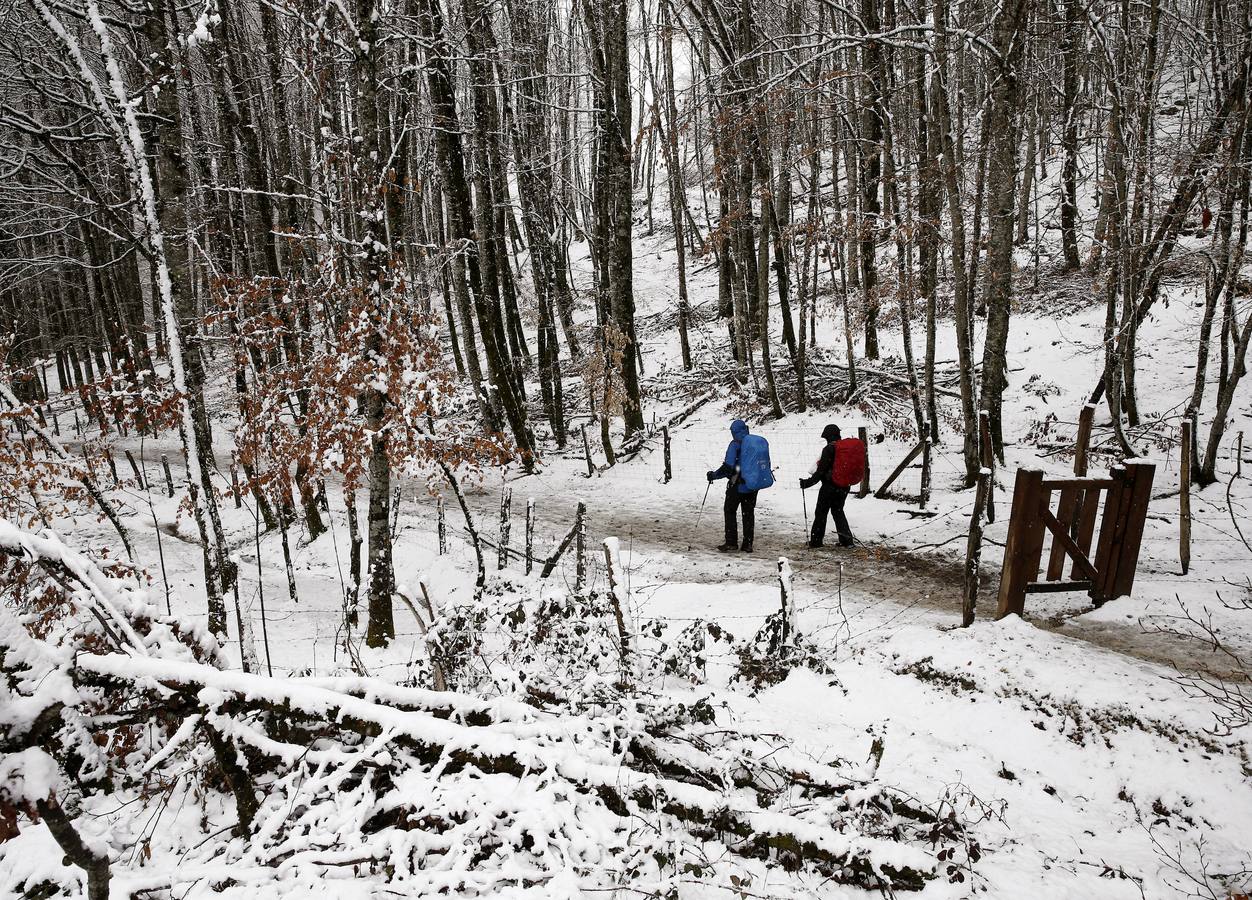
(657, 525)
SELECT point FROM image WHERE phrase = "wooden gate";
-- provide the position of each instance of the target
(1111, 572)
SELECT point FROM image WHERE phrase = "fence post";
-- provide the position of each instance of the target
(665, 437)
(612, 567)
(442, 527)
(1085, 420)
(506, 516)
(530, 534)
(973, 550)
(881, 493)
(580, 549)
(1024, 543)
(988, 461)
(863, 434)
(787, 599)
(78, 426)
(234, 482)
(134, 467)
(1184, 496)
(924, 497)
(591, 470)
(169, 480)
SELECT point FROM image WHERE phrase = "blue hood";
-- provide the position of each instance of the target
(738, 429)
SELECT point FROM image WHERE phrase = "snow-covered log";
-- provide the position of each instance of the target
(426, 790)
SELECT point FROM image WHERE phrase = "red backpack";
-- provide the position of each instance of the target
(849, 466)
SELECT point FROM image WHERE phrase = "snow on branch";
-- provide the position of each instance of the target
(426, 791)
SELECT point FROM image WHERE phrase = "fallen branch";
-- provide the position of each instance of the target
(54, 447)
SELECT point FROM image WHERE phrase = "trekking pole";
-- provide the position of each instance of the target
(805, 502)
(702, 502)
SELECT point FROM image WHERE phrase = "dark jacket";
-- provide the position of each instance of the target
(825, 469)
(826, 463)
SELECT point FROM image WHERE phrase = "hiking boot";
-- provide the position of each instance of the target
(813, 545)
(727, 548)
(746, 548)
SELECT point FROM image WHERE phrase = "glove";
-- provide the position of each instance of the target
(802, 484)
(709, 475)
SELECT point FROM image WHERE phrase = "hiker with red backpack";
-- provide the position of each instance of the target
(841, 465)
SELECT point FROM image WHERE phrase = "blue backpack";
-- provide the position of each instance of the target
(755, 472)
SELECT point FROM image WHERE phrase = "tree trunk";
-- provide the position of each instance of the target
(1004, 125)
(450, 160)
(869, 147)
(1070, 61)
(165, 201)
(677, 191)
(376, 254)
(943, 133)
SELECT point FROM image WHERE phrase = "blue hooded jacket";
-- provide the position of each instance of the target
(747, 460)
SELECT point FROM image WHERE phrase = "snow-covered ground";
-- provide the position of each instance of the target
(1069, 739)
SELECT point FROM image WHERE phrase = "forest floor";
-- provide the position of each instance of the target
(1074, 737)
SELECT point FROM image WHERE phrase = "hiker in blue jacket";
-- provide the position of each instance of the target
(747, 470)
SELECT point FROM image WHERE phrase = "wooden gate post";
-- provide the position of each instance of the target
(1085, 420)
(1024, 544)
(1184, 496)
(863, 434)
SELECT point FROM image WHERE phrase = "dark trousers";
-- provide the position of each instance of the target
(734, 501)
(830, 502)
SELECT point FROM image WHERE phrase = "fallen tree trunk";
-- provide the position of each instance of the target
(546, 743)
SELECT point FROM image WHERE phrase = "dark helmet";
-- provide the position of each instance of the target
(830, 433)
